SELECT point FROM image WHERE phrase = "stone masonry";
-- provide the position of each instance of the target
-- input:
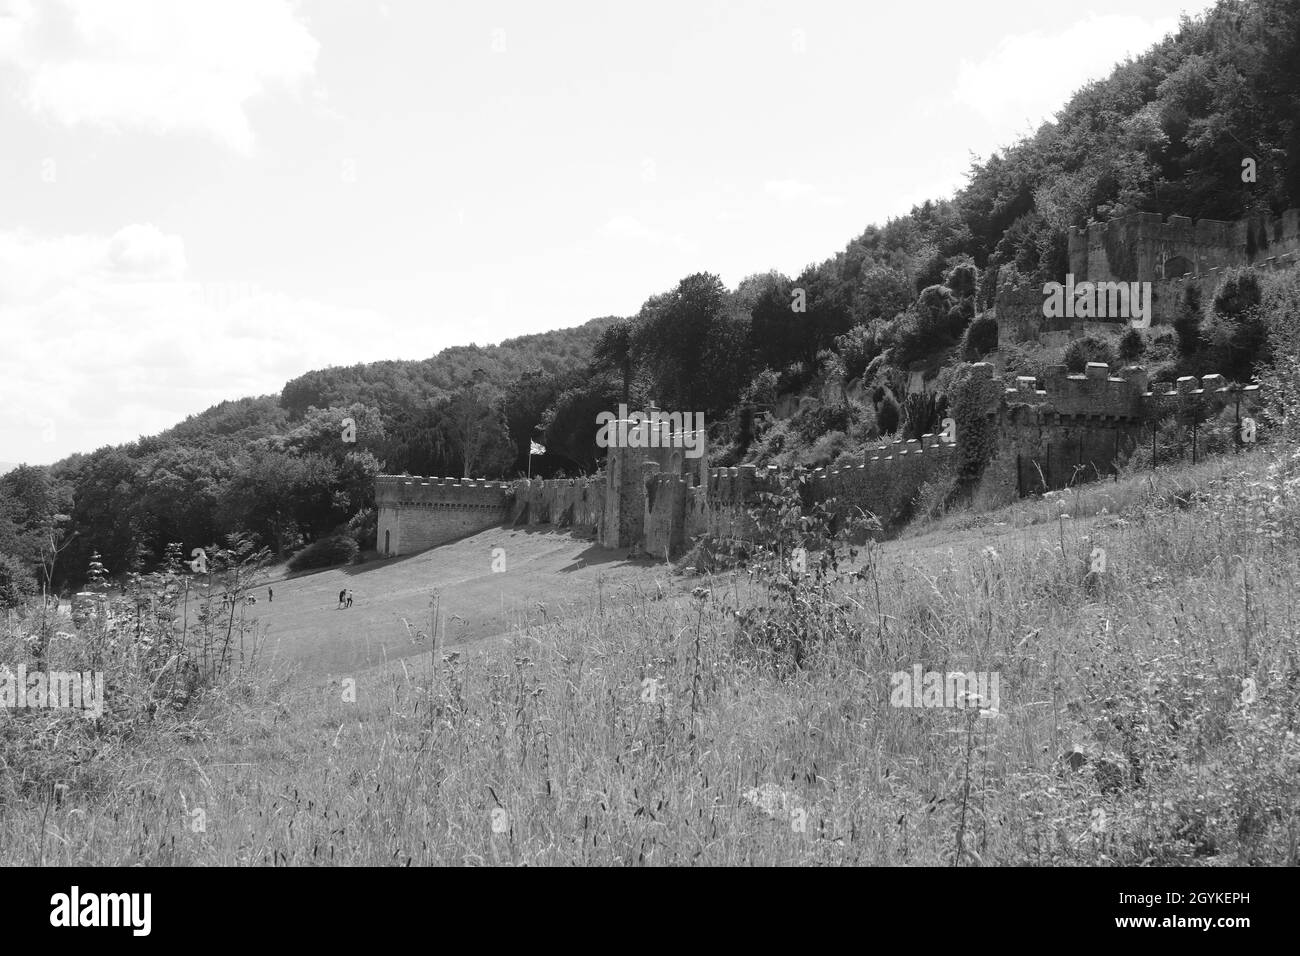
(1171, 254)
(655, 500)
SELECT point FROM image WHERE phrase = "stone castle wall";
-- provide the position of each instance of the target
(1072, 428)
(418, 513)
(1076, 426)
(578, 504)
(1142, 247)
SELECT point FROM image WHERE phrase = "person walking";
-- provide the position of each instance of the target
(349, 597)
(342, 597)
(270, 595)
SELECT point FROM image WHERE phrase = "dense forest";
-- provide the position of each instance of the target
(1165, 132)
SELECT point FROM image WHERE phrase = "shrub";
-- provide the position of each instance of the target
(363, 528)
(794, 377)
(1280, 377)
(980, 338)
(969, 399)
(801, 560)
(934, 322)
(1131, 345)
(962, 279)
(860, 344)
(1238, 342)
(814, 420)
(16, 581)
(827, 449)
(325, 553)
(1020, 362)
(1188, 322)
(933, 306)
(775, 445)
(1238, 293)
(887, 414)
(1082, 351)
(921, 414)
(884, 292)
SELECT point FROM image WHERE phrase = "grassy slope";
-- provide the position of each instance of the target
(546, 750)
(545, 572)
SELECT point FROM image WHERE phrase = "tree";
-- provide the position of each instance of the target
(883, 293)
(474, 430)
(1082, 351)
(672, 338)
(980, 338)
(571, 422)
(16, 581)
(1187, 323)
(1238, 293)
(862, 343)
(524, 406)
(56, 539)
(778, 334)
(613, 352)
(1131, 345)
(887, 412)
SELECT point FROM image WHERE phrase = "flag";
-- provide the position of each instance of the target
(536, 449)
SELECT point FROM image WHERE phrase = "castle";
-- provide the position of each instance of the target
(1143, 247)
(655, 500)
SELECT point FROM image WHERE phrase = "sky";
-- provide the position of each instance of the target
(202, 199)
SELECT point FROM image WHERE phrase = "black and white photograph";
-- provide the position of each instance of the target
(695, 434)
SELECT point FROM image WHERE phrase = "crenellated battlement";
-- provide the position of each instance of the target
(417, 513)
(1144, 247)
(1099, 397)
(1095, 394)
(577, 503)
(416, 491)
(1042, 437)
(1285, 260)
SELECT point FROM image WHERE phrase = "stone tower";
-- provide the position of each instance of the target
(653, 445)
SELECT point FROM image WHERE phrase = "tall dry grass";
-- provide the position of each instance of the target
(656, 727)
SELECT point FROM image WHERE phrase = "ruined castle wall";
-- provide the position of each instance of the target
(1072, 429)
(1019, 307)
(1205, 397)
(1040, 450)
(1135, 248)
(1168, 292)
(887, 483)
(1075, 428)
(419, 513)
(573, 503)
(665, 514)
(1142, 247)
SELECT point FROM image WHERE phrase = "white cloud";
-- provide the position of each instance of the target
(1029, 76)
(797, 191)
(117, 341)
(145, 251)
(630, 227)
(788, 190)
(156, 65)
